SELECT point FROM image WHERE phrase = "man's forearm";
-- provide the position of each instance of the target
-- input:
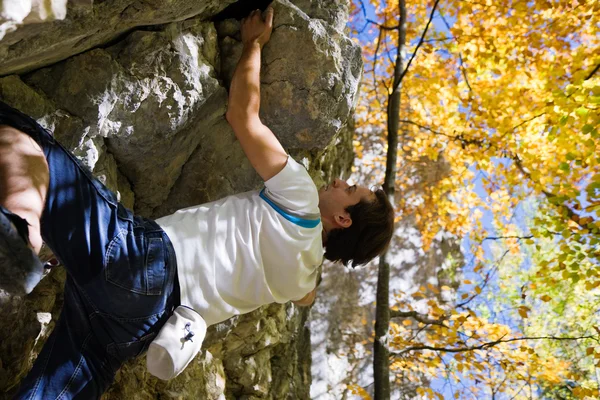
(258, 142)
(244, 92)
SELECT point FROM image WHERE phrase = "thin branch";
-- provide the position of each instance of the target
(384, 27)
(385, 85)
(507, 237)
(406, 121)
(526, 121)
(520, 124)
(370, 21)
(418, 317)
(362, 6)
(442, 39)
(387, 51)
(457, 138)
(464, 71)
(486, 280)
(462, 62)
(375, 56)
(593, 72)
(520, 390)
(418, 45)
(591, 206)
(488, 344)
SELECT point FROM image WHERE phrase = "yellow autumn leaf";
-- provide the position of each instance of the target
(523, 311)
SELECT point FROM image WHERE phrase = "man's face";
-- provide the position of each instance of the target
(336, 197)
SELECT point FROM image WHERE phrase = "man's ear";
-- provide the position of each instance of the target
(343, 220)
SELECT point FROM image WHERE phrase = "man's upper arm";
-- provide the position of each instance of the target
(260, 145)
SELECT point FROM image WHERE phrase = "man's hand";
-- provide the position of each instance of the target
(255, 29)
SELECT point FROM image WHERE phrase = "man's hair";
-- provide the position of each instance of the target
(368, 236)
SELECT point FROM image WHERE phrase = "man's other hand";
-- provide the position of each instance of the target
(256, 29)
(307, 300)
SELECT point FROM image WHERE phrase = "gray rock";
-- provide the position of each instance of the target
(13, 13)
(333, 12)
(147, 96)
(34, 46)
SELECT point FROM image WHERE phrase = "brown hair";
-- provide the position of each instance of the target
(368, 236)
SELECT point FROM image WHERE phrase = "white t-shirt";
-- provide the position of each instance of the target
(237, 253)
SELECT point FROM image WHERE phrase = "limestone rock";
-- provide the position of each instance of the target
(26, 324)
(35, 46)
(146, 96)
(334, 12)
(16, 12)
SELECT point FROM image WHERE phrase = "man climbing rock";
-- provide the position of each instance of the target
(132, 281)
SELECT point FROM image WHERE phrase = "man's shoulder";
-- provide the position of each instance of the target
(294, 188)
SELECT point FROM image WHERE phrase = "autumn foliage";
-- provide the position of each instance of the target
(501, 104)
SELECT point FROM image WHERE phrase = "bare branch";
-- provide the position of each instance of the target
(406, 121)
(464, 71)
(388, 53)
(385, 85)
(418, 45)
(442, 39)
(418, 317)
(487, 345)
(457, 138)
(593, 72)
(383, 27)
(520, 124)
(486, 280)
(370, 21)
(362, 6)
(462, 62)
(526, 121)
(507, 237)
(375, 56)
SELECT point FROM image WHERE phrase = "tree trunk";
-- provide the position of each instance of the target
(381, 363)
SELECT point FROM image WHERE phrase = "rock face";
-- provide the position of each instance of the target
(13, 13)
(138, 91)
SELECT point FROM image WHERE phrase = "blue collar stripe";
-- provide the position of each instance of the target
(305, 223)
